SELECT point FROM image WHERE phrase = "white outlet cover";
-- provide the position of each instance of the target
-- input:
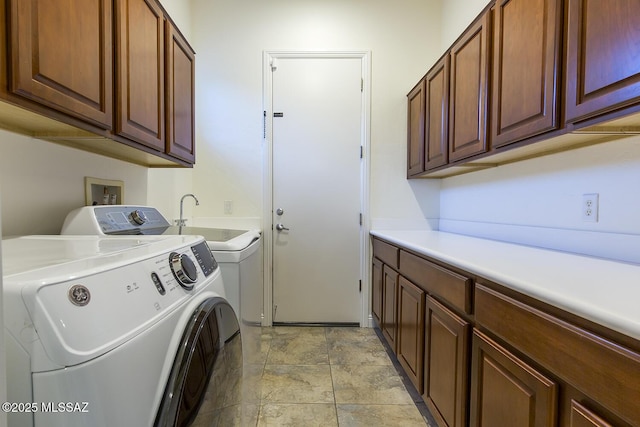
(590, 207)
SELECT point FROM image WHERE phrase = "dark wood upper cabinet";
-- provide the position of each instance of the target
(526, 57)
(140, 48)
(603, 58)
(180, 93)
(415, 130)
(62, 57)
(437, 115)
(468, 91)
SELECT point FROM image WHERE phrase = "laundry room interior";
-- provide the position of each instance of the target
(534, 203)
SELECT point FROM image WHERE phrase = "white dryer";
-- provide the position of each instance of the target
(113, 331)
(238, 252)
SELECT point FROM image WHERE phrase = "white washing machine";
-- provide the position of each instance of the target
(113, 331)
(238, 252)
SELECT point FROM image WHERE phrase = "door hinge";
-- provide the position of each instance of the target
(361, 85)
(361, 152)
(264, 124)
(360, 285)
(360, 219)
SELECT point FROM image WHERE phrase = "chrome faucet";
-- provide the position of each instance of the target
(182, 222)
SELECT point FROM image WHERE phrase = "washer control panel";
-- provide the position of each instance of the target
(89, 314)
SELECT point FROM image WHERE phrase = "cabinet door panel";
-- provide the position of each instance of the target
(566, 350)
(451, 287)
(583, 417)
(468, 100)
(415, 128)
(389, 298)
(180, 96)
(376, 292)
(62, 56)
(140, 113)
(411, 330)
(526, 56)
(446, 364)
(603, 59)
(508, 392)
(437, 115)
(386, 253)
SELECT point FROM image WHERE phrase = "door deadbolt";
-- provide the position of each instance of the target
(279, 211)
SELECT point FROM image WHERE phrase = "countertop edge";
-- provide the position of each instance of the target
(571, 282)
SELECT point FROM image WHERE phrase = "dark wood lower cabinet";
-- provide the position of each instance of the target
(580, 416)
(483, 355)
(389, 319)
(411, 330)
(446, 365)
(506, 391)
(376, 291)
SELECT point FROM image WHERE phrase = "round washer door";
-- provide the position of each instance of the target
(211, 347)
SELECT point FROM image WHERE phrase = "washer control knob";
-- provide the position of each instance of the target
(184, 270)
(138, 217)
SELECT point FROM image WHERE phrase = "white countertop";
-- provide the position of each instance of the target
(603, 291)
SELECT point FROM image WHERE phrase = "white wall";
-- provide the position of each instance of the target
(42, 181)
(230, 37)
(456, 16)
(538, 201)
(3, 369)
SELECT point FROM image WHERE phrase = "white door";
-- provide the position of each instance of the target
(316, 189)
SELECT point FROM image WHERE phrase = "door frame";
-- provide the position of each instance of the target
(269, 60)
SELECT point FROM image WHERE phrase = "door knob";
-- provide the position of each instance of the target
(281, 227)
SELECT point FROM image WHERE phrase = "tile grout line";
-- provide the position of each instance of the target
(333, 387)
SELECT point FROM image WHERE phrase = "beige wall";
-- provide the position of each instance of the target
(538, 201)
(230, 37)
(40, 182)
(456, 16)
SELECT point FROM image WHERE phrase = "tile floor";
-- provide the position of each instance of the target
(320, 376)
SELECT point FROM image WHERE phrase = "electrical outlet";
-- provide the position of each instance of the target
(228, 207)
(590, 207)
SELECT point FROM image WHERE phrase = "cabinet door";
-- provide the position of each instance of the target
(603, 70)
(580, 416)
(446, 365)
(376, 292)
(468, 100)
(415, 130)
(436, 115)
(505, 391)
(389, 320)
(62, 57)
(411, 330)
(180, 96)
(526, 57)
(140, 113)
